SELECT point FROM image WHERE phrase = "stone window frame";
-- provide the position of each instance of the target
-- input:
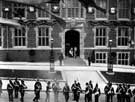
(123, 60)
(122, 37)
(21, 6)
(20, 37)
(102, 59)
(81, 11)
(97, 12)
(44, 17)
(100, 27)
(49, 37)
(118, 9)
(1, 37)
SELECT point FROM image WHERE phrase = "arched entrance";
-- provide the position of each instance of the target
(72, 43)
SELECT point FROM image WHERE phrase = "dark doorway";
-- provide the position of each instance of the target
(72, 43)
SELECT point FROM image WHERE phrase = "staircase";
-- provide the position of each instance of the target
(74, 61)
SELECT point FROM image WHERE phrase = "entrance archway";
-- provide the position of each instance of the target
(72, 43)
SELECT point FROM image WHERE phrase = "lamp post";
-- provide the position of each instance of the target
(52, 57)
(110, 60)
(6, 11)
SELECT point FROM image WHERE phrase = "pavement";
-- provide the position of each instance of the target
(69, 73)
(29, 95)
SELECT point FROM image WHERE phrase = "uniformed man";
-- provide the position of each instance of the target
(128, 94)
(48, 87)
(87, 93)
(10, 89)
(66, 91)
(123, 93)
(16, 87)
(74, 89)
(119, 93)
(37, 89)
(22, 90)
(79, 90)
(56, 89)
(109, 92)
(97, 93)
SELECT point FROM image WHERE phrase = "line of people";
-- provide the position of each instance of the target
(123, 91)
(89, 90)
(16, 87)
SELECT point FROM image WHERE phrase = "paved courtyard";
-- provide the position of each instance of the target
(29, 95)
(68, 73)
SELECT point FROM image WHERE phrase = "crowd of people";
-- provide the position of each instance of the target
(123, 92)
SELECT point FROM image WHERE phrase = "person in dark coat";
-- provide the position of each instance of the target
(22, 90)
(123, 93)
(74, 90)
(16, 87)
(79, 90)
(86, 98)
(128, 94)
(89, 60)
(61, 59)
(109, 92)
(90, 91)
(97, 93)
(66, 91)
(90, 84)
(10, 89)
(37, 89)
(119, 93)
(0, 87)
(133, 92)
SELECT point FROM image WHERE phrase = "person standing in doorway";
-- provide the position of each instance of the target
(75, 52)
(71, 52)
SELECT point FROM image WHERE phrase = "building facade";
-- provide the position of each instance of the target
(89, 32)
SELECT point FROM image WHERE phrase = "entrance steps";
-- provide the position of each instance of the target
(68, 61)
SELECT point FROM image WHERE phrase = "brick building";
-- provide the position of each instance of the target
(88, 32)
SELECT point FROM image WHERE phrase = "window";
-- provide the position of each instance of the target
(123, 36)
(101, 57)
(102, 4)
(43, 14)
(19, 37)
(123, 9)
(0, 36)
(72, 9)
(123, 58)
(43, 36)
(101, 36)
(19, 10)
